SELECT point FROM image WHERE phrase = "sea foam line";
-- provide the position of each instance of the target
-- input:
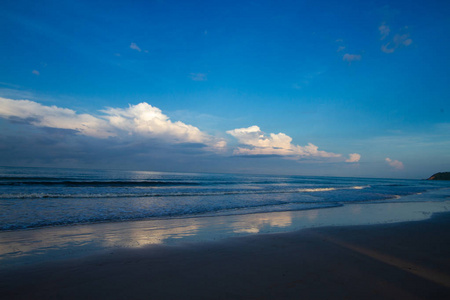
(180, 194)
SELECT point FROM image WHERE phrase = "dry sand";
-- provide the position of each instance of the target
(393, 261)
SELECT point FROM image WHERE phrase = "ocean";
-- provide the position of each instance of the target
(50, 197)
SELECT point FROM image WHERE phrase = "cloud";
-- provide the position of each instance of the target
(135, 47)
(258, 143)
(399, 40)
(351, 57)
(198, 76)
(36, 72)
(353, 157)
(307, 79)
(16, 86)
(386, 49)
(53, 117)
(394, 163)
(142, 120)
(384, 31)
(341, 47)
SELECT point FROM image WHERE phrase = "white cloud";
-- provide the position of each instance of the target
(353, 157)
(351, 57)
(144, 119)
(340, 48)
(36, 72)
(258, 143)
(135, 47)
(141, 120)
(54, 117)
(395, 163)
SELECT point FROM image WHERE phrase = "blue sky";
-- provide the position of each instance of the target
(343, 88)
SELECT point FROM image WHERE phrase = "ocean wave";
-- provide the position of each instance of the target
(200, 211)
(85, 183)
(171, 194)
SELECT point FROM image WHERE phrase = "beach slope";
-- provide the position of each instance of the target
(392, 261)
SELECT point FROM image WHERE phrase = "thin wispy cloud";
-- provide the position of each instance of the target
(135, 47)
(341, 46)
(397, 41)
(16, 93)
(384, 31)
(307, 79)
(351, 57)
(198, 76)
(256, 142)
(394, 163)
(16, 86)
(36, 72)
(141, 120)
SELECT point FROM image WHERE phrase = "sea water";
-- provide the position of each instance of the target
(42, 197)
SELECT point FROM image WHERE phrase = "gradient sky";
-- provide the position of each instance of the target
(341, 88)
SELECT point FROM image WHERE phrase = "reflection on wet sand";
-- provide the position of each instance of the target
(29, 246)
(254, 223)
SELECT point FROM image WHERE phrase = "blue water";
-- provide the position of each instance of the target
(38, 197)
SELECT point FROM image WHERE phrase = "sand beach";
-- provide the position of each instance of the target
(401, 260)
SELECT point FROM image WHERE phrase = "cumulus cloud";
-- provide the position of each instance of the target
(142, 120)
(351, 57)
(257, 142)
(54, 117)
(394, 163)
(135, 47)
(353, 157)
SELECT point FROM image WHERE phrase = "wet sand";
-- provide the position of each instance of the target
(408, 260)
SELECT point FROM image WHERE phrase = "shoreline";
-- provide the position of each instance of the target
(27, 247)
(404, 260)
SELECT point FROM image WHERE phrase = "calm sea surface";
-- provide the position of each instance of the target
(38, 197)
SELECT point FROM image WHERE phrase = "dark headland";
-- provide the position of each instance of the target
(440, 176)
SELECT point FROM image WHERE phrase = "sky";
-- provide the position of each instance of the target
(322, 88)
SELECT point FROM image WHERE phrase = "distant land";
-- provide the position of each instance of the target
(440, 176)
